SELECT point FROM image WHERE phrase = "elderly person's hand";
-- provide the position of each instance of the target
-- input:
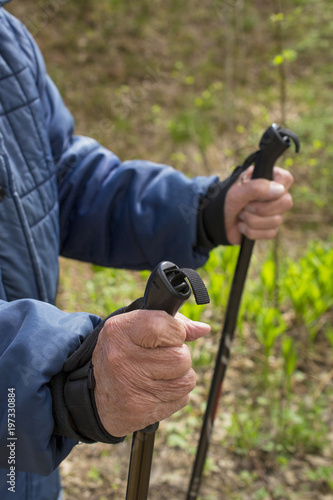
(255, 207)
(143, 368)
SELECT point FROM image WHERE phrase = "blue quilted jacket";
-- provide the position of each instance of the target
(62, 194)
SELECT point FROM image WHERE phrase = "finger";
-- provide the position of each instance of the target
(169, 390)
(262, 189)
(280, 175)
(164, 363)
(257, 234)
(133, 366)
(254, 221)
(146, 414)
(283, 176)
(158, 413)
(270, 208)
(255, 190)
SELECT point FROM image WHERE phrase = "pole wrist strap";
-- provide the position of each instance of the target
(73, 401)
(210, 225)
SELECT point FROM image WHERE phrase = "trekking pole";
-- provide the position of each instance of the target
(166, 290)
(273, 143)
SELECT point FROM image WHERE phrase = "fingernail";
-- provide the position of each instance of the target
(202, 329)
(196, 330)
(201, 325)
(276, 189)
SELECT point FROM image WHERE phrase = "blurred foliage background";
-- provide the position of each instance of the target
(194, 84)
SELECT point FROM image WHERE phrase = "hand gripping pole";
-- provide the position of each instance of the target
(167, 289)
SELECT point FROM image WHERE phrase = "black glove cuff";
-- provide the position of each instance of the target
(74, 407)
(211, 228)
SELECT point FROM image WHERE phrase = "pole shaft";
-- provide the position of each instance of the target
(272, 145)
(140, 465)
(221, 363)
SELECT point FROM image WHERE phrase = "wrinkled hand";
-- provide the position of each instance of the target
(143, 368)
(255, 207)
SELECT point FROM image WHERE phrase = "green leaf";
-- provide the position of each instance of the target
(278, 59)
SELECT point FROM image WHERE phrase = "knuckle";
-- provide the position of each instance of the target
(164, 411)
(146, 328)
(154, 320)
(117, 325)
(152, 326)
(288, 201)
(182, 360)
(279, 220)
(172, 390)
(161, 322)
(192, 382)
(183, 385)
(186, 354)
(271, 234)
(248, 232)
(188, 382)
(258, 189)
(178, 362)
(179, 330)
(275, 222)
(245, 216)
(290, 177)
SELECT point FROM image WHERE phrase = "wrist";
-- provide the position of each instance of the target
(73, 400)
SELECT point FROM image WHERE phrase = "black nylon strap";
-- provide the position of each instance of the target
(73, 401)
(210, 228)
(80, 402)
(210, 224)
(198, 287)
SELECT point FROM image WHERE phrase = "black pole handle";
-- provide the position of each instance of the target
(272, 145)
(167, 289)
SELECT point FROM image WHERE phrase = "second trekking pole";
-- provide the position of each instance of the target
(272, 145)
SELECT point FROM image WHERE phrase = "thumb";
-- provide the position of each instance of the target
(257, 189)
(151, 329)
(147, 329)
(194, 329)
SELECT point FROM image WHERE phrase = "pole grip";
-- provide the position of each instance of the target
(274, 142)
(166, 289)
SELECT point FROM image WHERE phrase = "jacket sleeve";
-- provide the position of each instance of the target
(129, 214)
(38, 339)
